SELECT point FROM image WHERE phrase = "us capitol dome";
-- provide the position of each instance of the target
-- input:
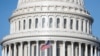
(66, 24)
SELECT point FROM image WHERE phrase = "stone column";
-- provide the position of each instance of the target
(27, 24)
(91, 50)
(33, 23)
(54, 22)
(13, 27)
(21, 49)
(54, 48)
(25, 49)
(45, 50)
(84, 26)
(21, 28)
(40, 22)
(46, 22)
(74, 24)
(15, 50)
(29, 49)
(3, 50)
(10, 51)
(61, 23)
(63, 49)
(32, 50)
(95, 51)
(80, 23)
(86, 50)
(68, 23)
(72, 48)
(80, 52)
(37, 48)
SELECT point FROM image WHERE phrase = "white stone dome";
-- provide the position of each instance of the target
(65, 23)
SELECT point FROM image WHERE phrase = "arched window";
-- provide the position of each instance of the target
(65, 23)
(86, 25)
(36, 22)
(71, 24)
(82, 26)
(19, 25)
(58, 22)
(77, 24)
(24, 23)
(50, 22)
(43, 22)
(30, 23)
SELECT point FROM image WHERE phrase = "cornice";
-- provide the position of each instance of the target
(46, 13)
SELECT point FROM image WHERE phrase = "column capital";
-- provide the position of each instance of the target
(91, 50)
(86, 49)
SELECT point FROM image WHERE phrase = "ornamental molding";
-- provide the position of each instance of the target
(53, 14)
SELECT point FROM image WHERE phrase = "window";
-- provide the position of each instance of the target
(86, 25)
(77, 24)
(19, 25)
(24, 22)
(82, 26)
(43, 22)
(36, 22)
(71, 24)
(50, 22)
(30, 22)
(58, 21)
(65, 23)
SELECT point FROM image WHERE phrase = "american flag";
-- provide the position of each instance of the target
(45, 46)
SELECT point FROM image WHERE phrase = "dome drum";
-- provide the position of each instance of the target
(58, 22)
